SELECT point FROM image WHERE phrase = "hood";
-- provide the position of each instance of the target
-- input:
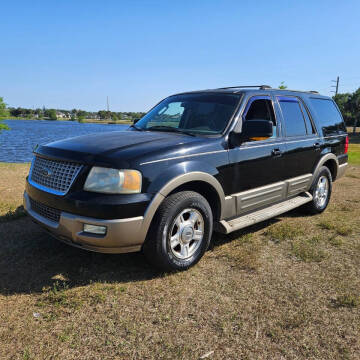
(121, 145)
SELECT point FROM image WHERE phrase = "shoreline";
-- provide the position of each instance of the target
(85, 121)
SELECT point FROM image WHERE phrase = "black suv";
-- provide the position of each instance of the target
(198, 162)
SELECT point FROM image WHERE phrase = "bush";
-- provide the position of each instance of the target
(3, 127)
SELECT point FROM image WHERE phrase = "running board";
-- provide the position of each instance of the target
(263, 214)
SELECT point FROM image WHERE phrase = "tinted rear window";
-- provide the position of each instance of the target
(328, 116)
(294, 120)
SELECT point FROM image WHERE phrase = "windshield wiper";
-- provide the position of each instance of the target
(170, 129)
(136, 128)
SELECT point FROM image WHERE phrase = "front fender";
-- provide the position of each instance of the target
(185, 170)
(175, 176)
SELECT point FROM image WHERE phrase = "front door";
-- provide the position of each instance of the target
(258, 165)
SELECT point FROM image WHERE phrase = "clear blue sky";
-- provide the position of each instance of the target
(66, 54)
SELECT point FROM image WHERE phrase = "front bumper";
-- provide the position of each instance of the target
(123, 235)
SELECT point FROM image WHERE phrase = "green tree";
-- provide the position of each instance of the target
(102, 114)
(3, 113)
(349, 105)
(343, 102)
(81, 114)
(354, 107)
(115, 116)
(282, 86)
(3, 110)
(52, 114)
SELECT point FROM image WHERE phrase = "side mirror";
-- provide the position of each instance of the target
(135, 121)
(252, 129)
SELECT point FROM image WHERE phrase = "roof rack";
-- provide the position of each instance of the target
(261, 87)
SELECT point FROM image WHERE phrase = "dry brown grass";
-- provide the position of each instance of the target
(285, 289)
(12, 180)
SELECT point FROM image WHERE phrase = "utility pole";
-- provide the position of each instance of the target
(336, 86)
(108, 108)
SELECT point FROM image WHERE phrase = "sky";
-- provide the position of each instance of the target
(73, 53)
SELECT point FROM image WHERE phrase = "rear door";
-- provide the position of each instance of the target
(303, 144)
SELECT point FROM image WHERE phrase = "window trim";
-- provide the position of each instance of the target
(310, 117)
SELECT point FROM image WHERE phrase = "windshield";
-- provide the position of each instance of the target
(191, 113)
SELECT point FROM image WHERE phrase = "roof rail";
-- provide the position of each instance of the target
(246, 86)
(313, 92)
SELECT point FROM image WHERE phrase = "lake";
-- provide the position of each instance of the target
(17, 144)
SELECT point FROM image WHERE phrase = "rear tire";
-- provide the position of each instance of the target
(180, 233)
(321, 192)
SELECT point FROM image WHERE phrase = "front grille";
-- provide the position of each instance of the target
(54, 176)
(45, 211)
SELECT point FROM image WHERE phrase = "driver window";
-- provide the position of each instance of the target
(261, 109)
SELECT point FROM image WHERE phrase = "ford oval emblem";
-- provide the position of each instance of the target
(45, 172)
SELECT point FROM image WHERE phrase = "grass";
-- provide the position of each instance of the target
(347, 300)
(354, 149)
(9, 212)
(283, 289)
(244, 254)
(308, 250)
(3, 127)
(12, 182)
(337, 225)
(283, 231)
(354, 154)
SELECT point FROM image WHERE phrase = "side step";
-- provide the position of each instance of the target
(264, 214)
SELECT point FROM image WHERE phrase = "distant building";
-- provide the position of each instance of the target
(62, 115)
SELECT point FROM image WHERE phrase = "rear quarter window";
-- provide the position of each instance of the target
(328, 116)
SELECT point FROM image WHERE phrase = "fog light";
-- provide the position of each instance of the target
(95, 229)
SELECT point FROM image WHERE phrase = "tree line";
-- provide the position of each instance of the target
(61, 114)
(74, 114)
(349, 105)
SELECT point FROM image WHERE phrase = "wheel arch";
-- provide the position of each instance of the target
(207, 191)
(201, 182)
(331, 162)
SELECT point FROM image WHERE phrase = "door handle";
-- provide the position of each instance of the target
(276, 152)
(317, 145)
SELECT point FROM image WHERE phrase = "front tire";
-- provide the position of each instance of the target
(180, 233)
(321, 192)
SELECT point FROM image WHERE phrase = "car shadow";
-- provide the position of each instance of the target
(31, 259)
(13, 214)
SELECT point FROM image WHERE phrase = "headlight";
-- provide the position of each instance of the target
(113, 181)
